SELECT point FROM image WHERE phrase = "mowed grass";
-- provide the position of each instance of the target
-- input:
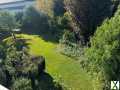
(62, 68)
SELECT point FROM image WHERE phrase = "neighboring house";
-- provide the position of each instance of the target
(16, 6)
(3, 88)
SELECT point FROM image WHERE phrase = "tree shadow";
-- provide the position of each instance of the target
(3, 35)
(46, 82)
(91, 14)
(47, 33)
(100, 10)
(39, 24)
(21, 43)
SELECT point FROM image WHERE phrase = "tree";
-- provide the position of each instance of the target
(18, 17)
(22, 84)
(45, 6)
(2, 77)
(51, 7)
(88, 14)
(2, 51)
(103, 57)
(33, 19)
(8, 23)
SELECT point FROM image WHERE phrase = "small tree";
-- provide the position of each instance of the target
(2, 77)
(22, 84)
(46, 6)
(8, 23)
(51, 7)
(33, 19)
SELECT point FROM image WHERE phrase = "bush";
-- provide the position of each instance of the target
(22, 84)
(19, 16)
(102, 59)
(88, 14)
(2, 52)
(36, 22)
(2, 77)
(68, 37)
(51, 8)
(21, 64)
(68, 45)
(74, 51)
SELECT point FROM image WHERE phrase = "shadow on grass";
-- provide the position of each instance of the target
(20, 43)
(51, 36)
(46, 82)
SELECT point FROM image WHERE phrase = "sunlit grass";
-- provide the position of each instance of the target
(62, 68)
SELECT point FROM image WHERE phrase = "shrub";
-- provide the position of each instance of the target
(102, 59)
(88, 14)
(2, 77)
(51, 8)
(68, 45)
(22, 84)
(20, 64)
(2, 52)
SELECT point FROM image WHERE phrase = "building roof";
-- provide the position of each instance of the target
(14, 2)
(16, 5)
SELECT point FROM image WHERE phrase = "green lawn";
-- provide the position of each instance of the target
(62, 68)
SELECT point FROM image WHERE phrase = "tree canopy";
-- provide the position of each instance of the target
(88, 14)
(103, 57)
(51, 7)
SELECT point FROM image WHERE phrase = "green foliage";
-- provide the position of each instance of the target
(33, 19)
(7, 21)
(46, 6)
(88, 14)
(51, 8)
(71, 50)
(12, 56)
(22, 84)
(50, 28)
(102, 59)
(68, 44)
(61, 68)
(59, 27)
(58, 7)
(19, 17)
(2, 57)
(2, 51)
(68, 37)
(2, 77)
(20, 61)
